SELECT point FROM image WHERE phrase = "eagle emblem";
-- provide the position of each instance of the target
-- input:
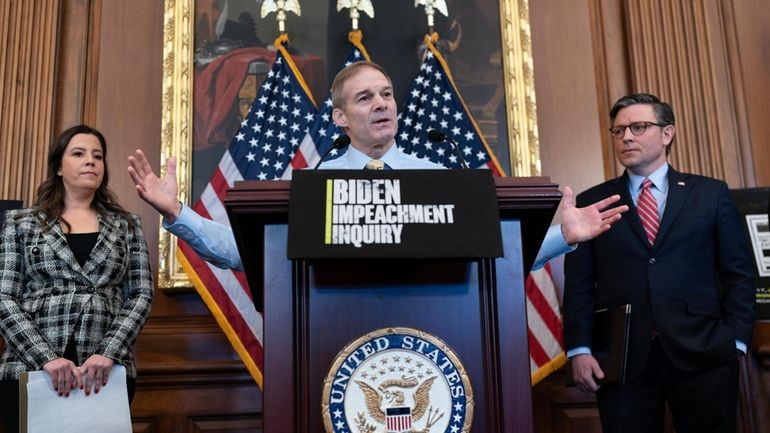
(431, 5)
(397, 380)
(399, 418)
(364, 6)
(279, 6)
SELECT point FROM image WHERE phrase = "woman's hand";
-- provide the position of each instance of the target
(95, 371)
(65, 375)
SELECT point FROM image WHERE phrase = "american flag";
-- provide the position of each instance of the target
(323, 132)
(544, 325)
(262, 149)
(435, 103)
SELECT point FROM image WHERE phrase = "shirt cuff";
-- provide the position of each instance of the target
(740, 345)
(553, 246)
(557, 242)
(582, 350)
(186, 218)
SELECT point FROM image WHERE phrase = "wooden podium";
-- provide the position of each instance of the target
(312, 309)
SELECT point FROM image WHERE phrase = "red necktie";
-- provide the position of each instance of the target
(647, 207)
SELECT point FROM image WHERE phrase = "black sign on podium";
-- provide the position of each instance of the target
(393, 214)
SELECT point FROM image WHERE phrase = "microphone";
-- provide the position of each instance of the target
(340, 142)
(438, 136)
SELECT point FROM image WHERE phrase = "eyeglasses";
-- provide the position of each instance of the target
(637, 128)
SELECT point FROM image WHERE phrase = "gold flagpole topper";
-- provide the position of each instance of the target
(431, 6)
(280, 7)
(355, 6)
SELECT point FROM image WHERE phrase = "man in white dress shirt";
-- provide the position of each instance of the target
(365, 109)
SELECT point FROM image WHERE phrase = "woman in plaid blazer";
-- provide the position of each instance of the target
(75, 278)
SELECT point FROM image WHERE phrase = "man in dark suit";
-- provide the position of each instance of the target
(681, 260)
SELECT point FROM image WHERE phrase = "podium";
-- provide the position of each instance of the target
(314, 308)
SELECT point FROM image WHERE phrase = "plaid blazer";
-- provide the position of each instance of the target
(47, 298)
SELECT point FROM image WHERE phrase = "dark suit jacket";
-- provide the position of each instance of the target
(47, 298)
(695, 285)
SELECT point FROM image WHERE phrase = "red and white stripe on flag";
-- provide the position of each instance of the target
(399, 423)
(544, 325)
(262, 149)
(225, 291)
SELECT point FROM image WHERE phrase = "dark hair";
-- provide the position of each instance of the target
(664, 114)
(50, 193)
(338, 99)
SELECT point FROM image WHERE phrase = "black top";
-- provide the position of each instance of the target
(8, 205)
(81, 245)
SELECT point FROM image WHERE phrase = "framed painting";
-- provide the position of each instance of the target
(486, 44)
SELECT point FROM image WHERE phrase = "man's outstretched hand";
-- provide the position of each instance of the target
(160, 193)
(586, 223)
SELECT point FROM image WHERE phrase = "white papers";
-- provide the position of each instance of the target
(760, 240)
(105, 412)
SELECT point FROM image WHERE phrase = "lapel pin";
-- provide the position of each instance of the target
(680, 183)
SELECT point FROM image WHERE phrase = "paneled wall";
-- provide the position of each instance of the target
(28, 37)
(98, 62)
(680, 50)
(706, 57)
(751, 58)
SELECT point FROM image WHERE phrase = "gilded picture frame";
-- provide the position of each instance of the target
(177, 108)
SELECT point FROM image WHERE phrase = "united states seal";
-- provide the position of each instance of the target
(397, 380)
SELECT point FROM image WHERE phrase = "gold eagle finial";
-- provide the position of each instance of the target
(431, 6)
(356, 6)
(280, 7)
